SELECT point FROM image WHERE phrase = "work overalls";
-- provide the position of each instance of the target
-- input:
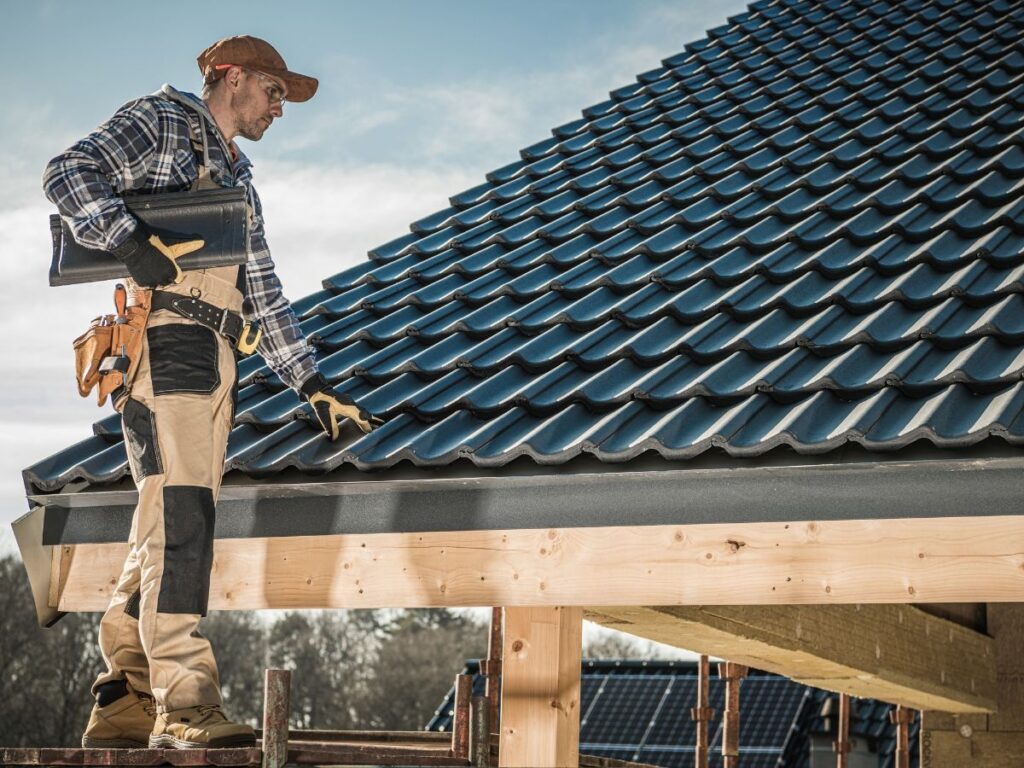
(177, 411)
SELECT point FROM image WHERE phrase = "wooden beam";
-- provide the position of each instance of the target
(849, 561)
(540, 687)
(895, 653)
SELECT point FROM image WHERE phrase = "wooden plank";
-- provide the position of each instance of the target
(237, 756)
(838, 562)
(540, 687)
(895, 653)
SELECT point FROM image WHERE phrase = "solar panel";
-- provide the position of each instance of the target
(674, 725)
(627, 707)
(668, 757)
(768, 706)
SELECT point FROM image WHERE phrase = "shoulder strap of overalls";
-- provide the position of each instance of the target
(201, 149)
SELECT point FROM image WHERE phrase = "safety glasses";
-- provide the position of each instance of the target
(275, 93)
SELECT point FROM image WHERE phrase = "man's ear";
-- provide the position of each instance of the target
(234, 77)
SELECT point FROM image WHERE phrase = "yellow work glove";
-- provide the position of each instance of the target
(331, 408)
(150, 261)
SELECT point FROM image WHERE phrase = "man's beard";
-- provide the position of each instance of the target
(251, 129)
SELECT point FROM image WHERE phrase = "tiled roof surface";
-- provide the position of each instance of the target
(803, 230)
(641, 711)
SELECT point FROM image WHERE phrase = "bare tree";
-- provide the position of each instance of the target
(604, 643)
(329, 654)
(417, 664)
(46, 673)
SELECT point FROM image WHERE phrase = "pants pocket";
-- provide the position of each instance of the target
(141, 439)
(183, 359)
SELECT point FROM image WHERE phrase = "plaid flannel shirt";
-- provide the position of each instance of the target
(147, 147)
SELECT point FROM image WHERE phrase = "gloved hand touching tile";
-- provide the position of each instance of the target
(331, 407)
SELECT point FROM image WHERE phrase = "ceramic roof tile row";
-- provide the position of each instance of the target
(806, 229)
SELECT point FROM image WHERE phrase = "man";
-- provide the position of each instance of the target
(160, 688)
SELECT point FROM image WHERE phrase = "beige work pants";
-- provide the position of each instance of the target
(176, 418)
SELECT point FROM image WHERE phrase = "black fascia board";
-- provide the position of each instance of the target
(962, 487)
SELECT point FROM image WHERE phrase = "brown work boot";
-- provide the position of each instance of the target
(199, 727)
(123, 724)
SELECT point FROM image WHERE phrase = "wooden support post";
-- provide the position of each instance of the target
(491, 668)
(901, 718)
(276, 695)
(732, 674)
(460, 722)
(841, 746)
(540, 687)
(702, 713)
(480, 732)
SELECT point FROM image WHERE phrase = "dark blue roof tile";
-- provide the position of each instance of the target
(393, 248)
(472, 196)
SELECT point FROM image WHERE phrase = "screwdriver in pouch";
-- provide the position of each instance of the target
(121, 303)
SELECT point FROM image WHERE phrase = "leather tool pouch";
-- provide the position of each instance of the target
(90, 350)
(107, 355)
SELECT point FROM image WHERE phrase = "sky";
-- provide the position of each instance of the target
(417, 101)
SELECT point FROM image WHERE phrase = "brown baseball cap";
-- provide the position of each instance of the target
(253, 53)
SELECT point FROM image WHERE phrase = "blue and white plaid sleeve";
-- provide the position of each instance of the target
(84, 182)
(283, 345)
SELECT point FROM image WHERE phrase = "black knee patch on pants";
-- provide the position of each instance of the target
(140, 438)
(188, 549)
(132, 606)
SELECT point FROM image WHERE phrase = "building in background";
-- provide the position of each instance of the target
(640, 711)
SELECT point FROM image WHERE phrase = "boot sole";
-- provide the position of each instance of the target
(91, 743)
(166, 741)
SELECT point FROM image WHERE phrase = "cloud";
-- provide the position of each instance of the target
(321, 221)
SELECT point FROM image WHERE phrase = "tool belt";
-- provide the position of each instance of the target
(107, 354)
(243, 335)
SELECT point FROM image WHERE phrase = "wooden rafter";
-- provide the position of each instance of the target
(896, 653)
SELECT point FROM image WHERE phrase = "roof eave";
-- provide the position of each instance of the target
(938, 487)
